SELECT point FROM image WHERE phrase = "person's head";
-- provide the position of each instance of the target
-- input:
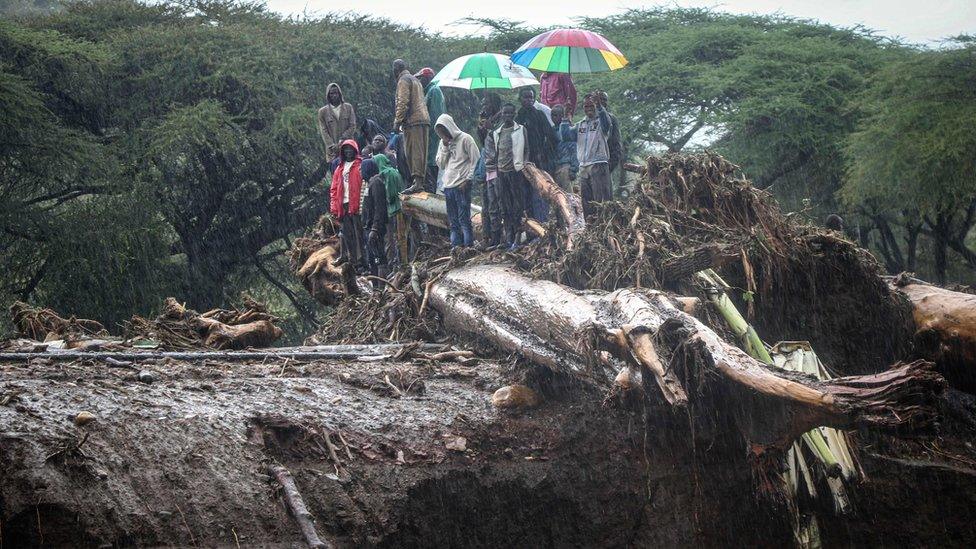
(491, 103)
(425, 75)
(527, 97)
(399, 65)
(602, 99)
(508, 115)
(558, 112)
(834, 222)
(334, 95)
(379, 143)
(589, 107)
(366, 151)
(443, 133)
(348, 152)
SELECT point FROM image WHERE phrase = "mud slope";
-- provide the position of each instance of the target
(181, 459)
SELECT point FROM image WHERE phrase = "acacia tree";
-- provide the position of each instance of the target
(912, 155)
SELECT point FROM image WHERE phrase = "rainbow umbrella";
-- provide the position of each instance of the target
(569, 50)
(483, 71)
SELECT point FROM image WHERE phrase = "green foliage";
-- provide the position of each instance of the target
(916, 142)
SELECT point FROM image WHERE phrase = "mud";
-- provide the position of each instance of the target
(181, 460)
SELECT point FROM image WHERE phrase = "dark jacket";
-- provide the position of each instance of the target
(374, 207)
(540, 137)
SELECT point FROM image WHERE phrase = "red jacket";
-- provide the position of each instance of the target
(336, 191)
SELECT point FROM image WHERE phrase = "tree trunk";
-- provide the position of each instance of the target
(945, 329)
(567, 331)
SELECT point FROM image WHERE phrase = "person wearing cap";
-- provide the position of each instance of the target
(593, 152)
(435, 108)
(411, 117)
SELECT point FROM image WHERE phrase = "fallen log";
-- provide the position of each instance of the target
(564, 330)
(296, 505)
(945, 329)
(431, 209)
(314, 261)
(568, 206)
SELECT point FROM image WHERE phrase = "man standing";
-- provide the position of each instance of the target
(337, 121)
(344, 203)
(541, 139)
(567, 163)
(411, 117)
(488, 120)
(614, 146)
(379, 210)
(557, 88)
(457, 155)
(434, 99)
(507, 151)
(592, 150)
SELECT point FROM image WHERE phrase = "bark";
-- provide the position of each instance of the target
(568, 206)
(565, 330)
(945, 324)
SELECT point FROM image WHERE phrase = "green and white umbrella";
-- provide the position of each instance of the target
(484, 71)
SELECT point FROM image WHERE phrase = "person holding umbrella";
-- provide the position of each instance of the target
(411, 116)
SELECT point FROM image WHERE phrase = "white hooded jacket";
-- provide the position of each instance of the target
(457, 160)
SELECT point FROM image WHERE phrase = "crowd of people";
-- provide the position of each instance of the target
(427, 151)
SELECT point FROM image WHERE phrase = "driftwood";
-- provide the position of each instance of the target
(314, 352)
(945, 324)
(564, 330)
(315, 262)
(296, 505)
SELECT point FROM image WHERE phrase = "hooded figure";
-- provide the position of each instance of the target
(337, 120)
(457, 156)
(345, 199)
(382, 202)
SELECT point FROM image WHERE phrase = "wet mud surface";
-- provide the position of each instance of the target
(177, 455)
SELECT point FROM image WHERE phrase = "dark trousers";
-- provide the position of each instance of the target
(352, 237)
(376, 254)
(430, 185)
(510, 193)
(487, 224)
(594, 185)
(459, 215)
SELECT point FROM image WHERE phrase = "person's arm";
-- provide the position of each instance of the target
(443, 154)
(471, 155)
(604, 121)
(491, 153)
(350, 132)
(402, 102)
(326, 138)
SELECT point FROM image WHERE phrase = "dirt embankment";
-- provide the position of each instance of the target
(180, 458)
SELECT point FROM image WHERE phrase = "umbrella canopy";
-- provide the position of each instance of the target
(569, 50)
(484, 70)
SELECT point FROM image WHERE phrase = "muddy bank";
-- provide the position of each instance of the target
(181, 459)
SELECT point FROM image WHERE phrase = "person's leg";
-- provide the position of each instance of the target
(390, 244)
(497, 212)
(346, 230)
(360, 253)
(464, 217)
(451, 197)
(414, 145)
(486, 217)
(586, 191)
(601, 183)
(430, 185)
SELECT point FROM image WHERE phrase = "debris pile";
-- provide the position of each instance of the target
(47, 325)
(180, 328)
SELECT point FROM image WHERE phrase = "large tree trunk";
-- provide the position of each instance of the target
(945, 324)
(566, 330)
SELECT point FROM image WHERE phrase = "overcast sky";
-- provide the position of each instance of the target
(914, 20)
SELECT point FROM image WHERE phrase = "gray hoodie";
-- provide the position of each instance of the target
(590, 137)
(457, 160)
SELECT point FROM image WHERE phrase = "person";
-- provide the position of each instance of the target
(834, 222)
(614, 146)
(337, 120)
(434, 99)
(592, 151)
(566, 163)
(377, 146)
(488, 120)
(544, 109)
(367, 129)
(557, 88)
(457, 156)
(541, 141)
(344, 203)
(381, 205)
(507, 152)
(412, 119)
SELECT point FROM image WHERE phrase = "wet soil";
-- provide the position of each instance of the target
(179, 458)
